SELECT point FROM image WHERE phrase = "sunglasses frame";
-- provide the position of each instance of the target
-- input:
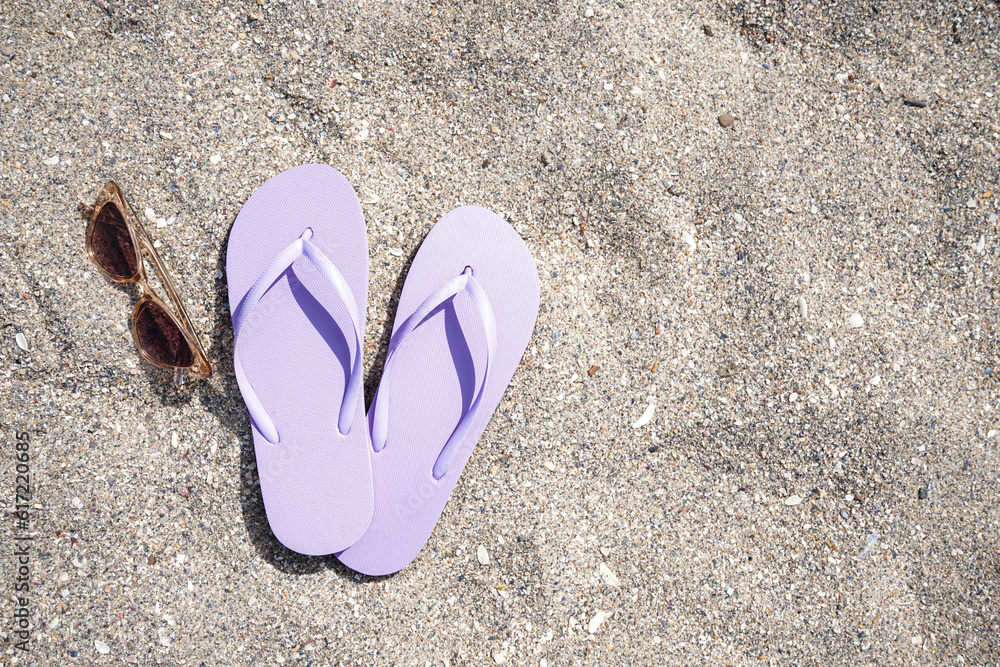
(201, 368)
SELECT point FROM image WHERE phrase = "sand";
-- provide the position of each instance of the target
(802, 491)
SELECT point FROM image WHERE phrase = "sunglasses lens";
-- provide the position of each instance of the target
(160, 338)
(112, 245)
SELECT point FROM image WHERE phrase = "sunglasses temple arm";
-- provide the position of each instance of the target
(168, 285)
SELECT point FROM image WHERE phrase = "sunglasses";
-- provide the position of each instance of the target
(117, 243)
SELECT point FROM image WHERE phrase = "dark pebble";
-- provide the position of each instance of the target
(922, 493)
(910, 102)
(486, 163)
(654, 449)
(152, 560)
(707, 29)
(545, 159)
(592, 370)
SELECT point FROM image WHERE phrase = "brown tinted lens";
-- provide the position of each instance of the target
(160, 338)
(112, 245)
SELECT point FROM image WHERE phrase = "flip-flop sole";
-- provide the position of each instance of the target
(296, 348)
(435, 376)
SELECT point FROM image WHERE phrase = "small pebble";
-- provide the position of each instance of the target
(588, 12)
(166, 135)
(21, 341)
(972, 203)
(596, 622)
(77, 503)
(482, 555)
(7, 51)
(52, 161)
(726, 119)
(215, 159)
(151, 560)
(609, 577)
(840, 110)
(922, 493)
(592, 370)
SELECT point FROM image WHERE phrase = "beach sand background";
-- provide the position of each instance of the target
(807, 298)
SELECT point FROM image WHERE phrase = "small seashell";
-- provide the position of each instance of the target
(588, 13)
(101, 647)
(646, 417)
(21, 341)
(395, 252)
(215, 159)
(803, 307)
(692, 243)
(166, 135)
(981, 245)
(52, 161)
(482, 555)
(857, 321)
(596, 621)
(792, 500)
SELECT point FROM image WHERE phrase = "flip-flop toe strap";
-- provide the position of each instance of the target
(297, 248)
(380, 420)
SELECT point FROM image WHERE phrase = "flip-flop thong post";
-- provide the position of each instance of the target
(465, 317)
(297, 269)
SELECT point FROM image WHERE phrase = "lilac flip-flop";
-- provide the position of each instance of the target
(297, 268)
(465, 317)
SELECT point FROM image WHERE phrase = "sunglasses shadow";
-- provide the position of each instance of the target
(222, 398)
